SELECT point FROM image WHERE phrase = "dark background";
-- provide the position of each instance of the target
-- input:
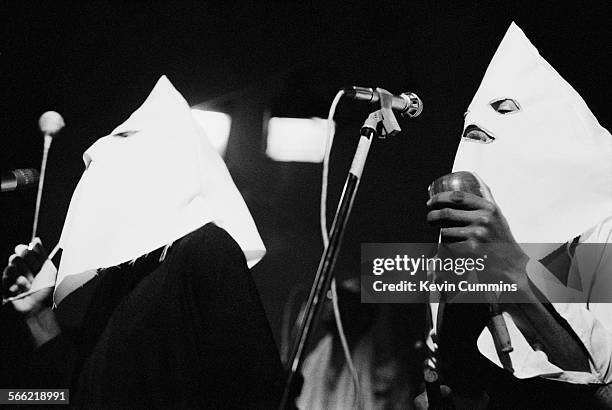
(95, 63)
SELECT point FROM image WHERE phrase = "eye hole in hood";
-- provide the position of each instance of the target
(476, 134)
(505, 105)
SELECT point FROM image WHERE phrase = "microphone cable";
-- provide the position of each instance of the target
(325, 236)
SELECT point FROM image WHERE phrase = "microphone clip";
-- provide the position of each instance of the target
(383, 121)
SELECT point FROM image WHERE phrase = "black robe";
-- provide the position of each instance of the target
(188, 332)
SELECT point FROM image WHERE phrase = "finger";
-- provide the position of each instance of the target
(19, 249)
(22, 267)
(449, 217)
(37, 246)
(459, 200)
(455, 234)
(462, 239)
(8, 277)
(33, 259)
(14, 289)
(459, 246)
(9, 274)
(23, 284)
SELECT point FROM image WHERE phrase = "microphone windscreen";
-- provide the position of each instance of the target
(50, 123)
(457, 181)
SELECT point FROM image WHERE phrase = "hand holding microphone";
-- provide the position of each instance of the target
(21, 282)
(462, 205)
(19, 277)
(27, 283)
(29, 278)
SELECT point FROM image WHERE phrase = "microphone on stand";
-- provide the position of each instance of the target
(406, 103)
(50, 123)
(18, 179)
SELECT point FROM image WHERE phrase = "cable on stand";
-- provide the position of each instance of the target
(382, 123)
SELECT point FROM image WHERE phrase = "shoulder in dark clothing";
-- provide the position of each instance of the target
(192, 333)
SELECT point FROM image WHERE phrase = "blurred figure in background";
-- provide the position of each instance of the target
(382, 340)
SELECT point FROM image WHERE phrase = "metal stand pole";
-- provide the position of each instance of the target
(324, 273)
(41, 181)
(389, 127)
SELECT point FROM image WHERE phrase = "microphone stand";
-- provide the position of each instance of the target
(389, 126)
(50, 123)
(41, 181)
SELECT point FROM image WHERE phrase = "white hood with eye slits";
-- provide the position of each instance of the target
(154, 179)
(549, 166)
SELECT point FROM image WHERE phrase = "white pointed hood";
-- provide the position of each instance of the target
(155, 179)
(550, 165)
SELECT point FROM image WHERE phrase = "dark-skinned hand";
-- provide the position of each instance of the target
(18, 275)
(473, 226)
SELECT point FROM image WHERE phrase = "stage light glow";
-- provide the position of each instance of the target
(216, 125)
(296, 139)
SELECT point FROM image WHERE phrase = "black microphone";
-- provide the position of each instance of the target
(406, 103)
(18, 179)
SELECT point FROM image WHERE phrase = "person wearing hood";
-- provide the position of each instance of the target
(154, 304)
(546, 167)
